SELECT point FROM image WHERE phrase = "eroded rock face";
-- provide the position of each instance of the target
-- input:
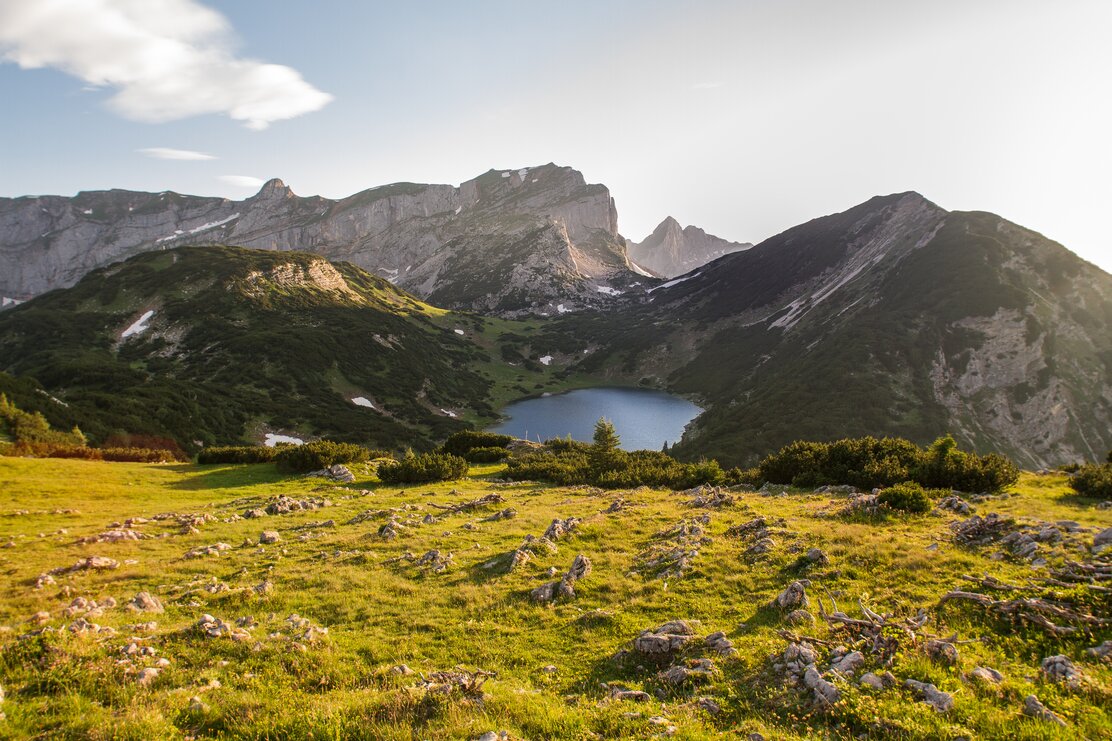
(516, 240)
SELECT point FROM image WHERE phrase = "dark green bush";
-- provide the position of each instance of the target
(461, 442)
(604, 464)
(906, 497)
(237, 454)
(870, 462)
(419, 469)
(81, 452)
(138, 455)
(944, 466)
(486, 455)
(317, 455)
(1093, 481)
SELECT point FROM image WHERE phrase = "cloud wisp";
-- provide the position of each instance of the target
(166, 153)
(166, 60)
(242, 181)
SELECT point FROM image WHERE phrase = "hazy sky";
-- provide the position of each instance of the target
(744, 118)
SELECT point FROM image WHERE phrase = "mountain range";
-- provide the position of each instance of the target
(436, 304)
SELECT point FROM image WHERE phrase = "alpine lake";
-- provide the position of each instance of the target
(644, 419)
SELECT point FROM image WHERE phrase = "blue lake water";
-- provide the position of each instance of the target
(644, 419)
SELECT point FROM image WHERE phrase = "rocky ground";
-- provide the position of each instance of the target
(222, 601)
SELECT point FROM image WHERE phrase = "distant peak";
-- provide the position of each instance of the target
(274, 187)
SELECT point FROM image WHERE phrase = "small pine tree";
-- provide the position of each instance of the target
(604, 450)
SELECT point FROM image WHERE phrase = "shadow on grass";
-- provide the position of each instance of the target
(1081, 501)
(222, 476)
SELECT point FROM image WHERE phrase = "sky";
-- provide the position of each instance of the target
(742, 117)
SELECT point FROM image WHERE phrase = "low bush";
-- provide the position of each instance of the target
(944, 466)
(81, 452)
(317, 455)
(486, 455)
(420, 469)
(871, 462)
(1093, 481)
(147, 442)
(464, 441)
(603, 464)
(237, 454)
(906, 497)
(138, 455)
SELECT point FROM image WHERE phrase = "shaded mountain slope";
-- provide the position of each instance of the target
(894, 317)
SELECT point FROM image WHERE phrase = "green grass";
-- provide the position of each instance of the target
(380, 613)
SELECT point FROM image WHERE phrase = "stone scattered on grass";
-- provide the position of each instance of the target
(207, 550)
(987, 674)
(941, 701)
(794, 597)
(270, 536)
(91, 563)
(942, 652)
(565, 587)
(145, 602)
(1060, 669)
(1033, 708)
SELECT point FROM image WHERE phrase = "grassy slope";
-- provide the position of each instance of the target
(380, 614)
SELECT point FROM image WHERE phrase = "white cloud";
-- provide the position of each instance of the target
(706, 85)
(242, 181)
(165, 153)
(166, 60)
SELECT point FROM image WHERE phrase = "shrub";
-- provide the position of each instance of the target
(603, 464)
(906, 497)
(25, 427)
(870, 462)
(317, 455)
(81, 452)
(947, 467)
(486, 455)
(419, 469)
(149, 442)
(1093, 481)
(460, 443)
(237, 454)
(138, 455)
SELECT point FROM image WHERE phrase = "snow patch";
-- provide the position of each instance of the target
(640, 270)
(505, 174)
(6, 302)
(458, 331)
(562, 309)
(213, 224)
(88, 212)
(608, 290)
(522, 173)
(362, 401)
(447, 413)
(139, 326)
(458, 209)
(674, 282)
(271, 440)
(546, 359)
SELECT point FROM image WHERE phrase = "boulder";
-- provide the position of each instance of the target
(1060, 669)
(1035, 709)
(270, 536)
(793, 597)
(941, 701)
(145, 602)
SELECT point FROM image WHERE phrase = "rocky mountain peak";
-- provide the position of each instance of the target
(274, 189)
(673, 249)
